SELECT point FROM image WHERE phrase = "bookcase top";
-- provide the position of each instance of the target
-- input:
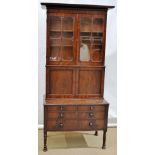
(63, 5)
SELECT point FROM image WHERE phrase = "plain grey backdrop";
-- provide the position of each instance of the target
(110, 89)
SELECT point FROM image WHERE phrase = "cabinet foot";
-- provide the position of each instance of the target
(45, 141)
(45, 148)
(96, 133)
(104, 140)
(103, 147)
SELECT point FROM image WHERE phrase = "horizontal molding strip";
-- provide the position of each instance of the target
(110, 125)
(77, 66)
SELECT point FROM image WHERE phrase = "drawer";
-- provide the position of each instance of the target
(62, 108)
(62, 125)
(91, 108)
(91, 115)
(61, 115)
(91, 124)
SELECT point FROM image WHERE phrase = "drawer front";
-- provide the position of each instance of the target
(91, 115)
(61, 125)
(91, 124)
(91, 108)
(62, 108)
(61, 115)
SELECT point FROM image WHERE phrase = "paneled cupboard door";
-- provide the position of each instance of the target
(61, 43)
(91, 39)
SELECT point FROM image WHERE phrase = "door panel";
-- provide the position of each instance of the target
(60, 82)
(91, 39)
(61, 47)
(90, 82)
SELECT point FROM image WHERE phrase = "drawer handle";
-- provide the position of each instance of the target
(91, 124)
(61, 108)
(91, 114)
(91, 107)
(61, 115)
(61, 125)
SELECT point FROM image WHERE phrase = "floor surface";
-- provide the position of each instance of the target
(78, 143)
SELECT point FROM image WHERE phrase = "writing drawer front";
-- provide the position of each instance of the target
(91, 108)
(91, 124)
(62, 108)
(61, 125)
(91, 115)
(61, 115)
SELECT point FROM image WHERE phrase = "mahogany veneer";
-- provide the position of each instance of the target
(75, 58)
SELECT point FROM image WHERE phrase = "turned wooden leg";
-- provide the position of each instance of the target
(104, 139)
(96, 133)
(45, 141)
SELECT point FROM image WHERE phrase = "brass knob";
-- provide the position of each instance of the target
(90, 124)
(91, 107)
(61, 115)
(61, 107)
(61, 125)
(91, 114)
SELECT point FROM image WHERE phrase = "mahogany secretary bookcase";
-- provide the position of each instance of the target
(75, 58)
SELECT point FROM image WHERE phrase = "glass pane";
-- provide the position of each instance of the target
(67, 34)
(85, 51)
(55, 23)
(96, 52)
(85, 46)
(55, 42)
(67, 42)
(97, 34)
(85, 38)
(61, 38)
(67, 23)
(85, 24)
(54, 34)
(55, 53)
(85, 34)
(97, 41)
(91, 39)
(67, 53)
(55, 38)
(67, 49)
(97, 24)
(55, 49)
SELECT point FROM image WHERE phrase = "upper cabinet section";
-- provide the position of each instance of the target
(61, 38)
(76, 36)
(92, 38)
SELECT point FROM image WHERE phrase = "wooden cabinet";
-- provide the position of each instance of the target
(75, 59)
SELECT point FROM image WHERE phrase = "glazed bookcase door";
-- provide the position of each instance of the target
(91, 39)
(61, 38)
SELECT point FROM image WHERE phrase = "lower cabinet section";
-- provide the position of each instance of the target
(75, 117)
